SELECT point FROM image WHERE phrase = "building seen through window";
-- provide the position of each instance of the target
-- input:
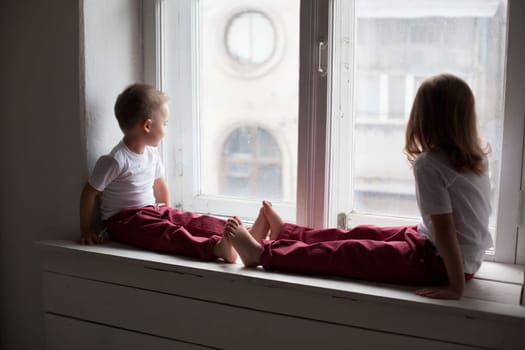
(248, 99)
(399, 44)
(251, 165)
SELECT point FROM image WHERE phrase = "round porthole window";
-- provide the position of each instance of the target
(250, 38)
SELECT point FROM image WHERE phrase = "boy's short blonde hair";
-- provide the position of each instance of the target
(137, 103)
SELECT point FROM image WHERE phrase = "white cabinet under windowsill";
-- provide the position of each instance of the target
(116, 297)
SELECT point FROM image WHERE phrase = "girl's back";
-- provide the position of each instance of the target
(442, 189)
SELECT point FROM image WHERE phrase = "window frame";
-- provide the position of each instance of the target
(510, 245)
(316, 204)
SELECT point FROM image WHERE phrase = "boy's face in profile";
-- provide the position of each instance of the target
(159, 122)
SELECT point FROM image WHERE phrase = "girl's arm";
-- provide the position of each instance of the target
(448, 247)
(88, 233)
(161, 191)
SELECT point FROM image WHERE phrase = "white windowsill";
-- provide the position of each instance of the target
(496, 290)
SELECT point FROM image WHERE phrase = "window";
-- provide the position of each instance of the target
(397, 46)
(235, 72)
(232, 68)
(386, 62)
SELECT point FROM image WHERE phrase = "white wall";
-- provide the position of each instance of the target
(43, 148)
(113, 60)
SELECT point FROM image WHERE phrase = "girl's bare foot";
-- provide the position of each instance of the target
(260, 227)
(224, 249)
(274, 220)
(249, 249)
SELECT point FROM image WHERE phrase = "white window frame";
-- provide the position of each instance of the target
(316, 200)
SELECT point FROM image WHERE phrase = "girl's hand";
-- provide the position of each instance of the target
(448, 247)
(439, 293)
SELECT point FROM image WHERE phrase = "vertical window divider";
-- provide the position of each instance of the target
(313, 115)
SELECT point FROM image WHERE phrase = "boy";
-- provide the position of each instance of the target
(134, 197)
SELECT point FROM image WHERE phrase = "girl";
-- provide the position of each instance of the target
(453, 194)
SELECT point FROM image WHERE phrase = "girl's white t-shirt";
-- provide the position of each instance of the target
(126, 178)
(440, 189)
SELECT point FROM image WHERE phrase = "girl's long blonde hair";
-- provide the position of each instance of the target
(443, 118)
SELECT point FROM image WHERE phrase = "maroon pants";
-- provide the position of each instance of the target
(379, 254)
(167, 230)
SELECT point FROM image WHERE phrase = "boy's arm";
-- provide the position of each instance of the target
(161, 191)
(89, 235)
(448, 247)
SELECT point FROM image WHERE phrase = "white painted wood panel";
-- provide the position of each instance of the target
(64, 333)
(207, 323)
(330, 305)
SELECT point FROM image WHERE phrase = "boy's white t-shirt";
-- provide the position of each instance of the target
(126, 178)
(440, 189)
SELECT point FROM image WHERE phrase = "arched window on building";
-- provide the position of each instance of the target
(251, 164)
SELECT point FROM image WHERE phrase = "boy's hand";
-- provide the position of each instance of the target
(91, 237)
(88, 235)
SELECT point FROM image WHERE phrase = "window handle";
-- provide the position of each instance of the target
(322, 57)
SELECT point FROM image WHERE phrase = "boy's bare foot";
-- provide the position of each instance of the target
(247, 246)
(260, 227)
(274, 220)
(224, 249)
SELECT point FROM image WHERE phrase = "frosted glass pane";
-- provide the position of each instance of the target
(248, 75)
